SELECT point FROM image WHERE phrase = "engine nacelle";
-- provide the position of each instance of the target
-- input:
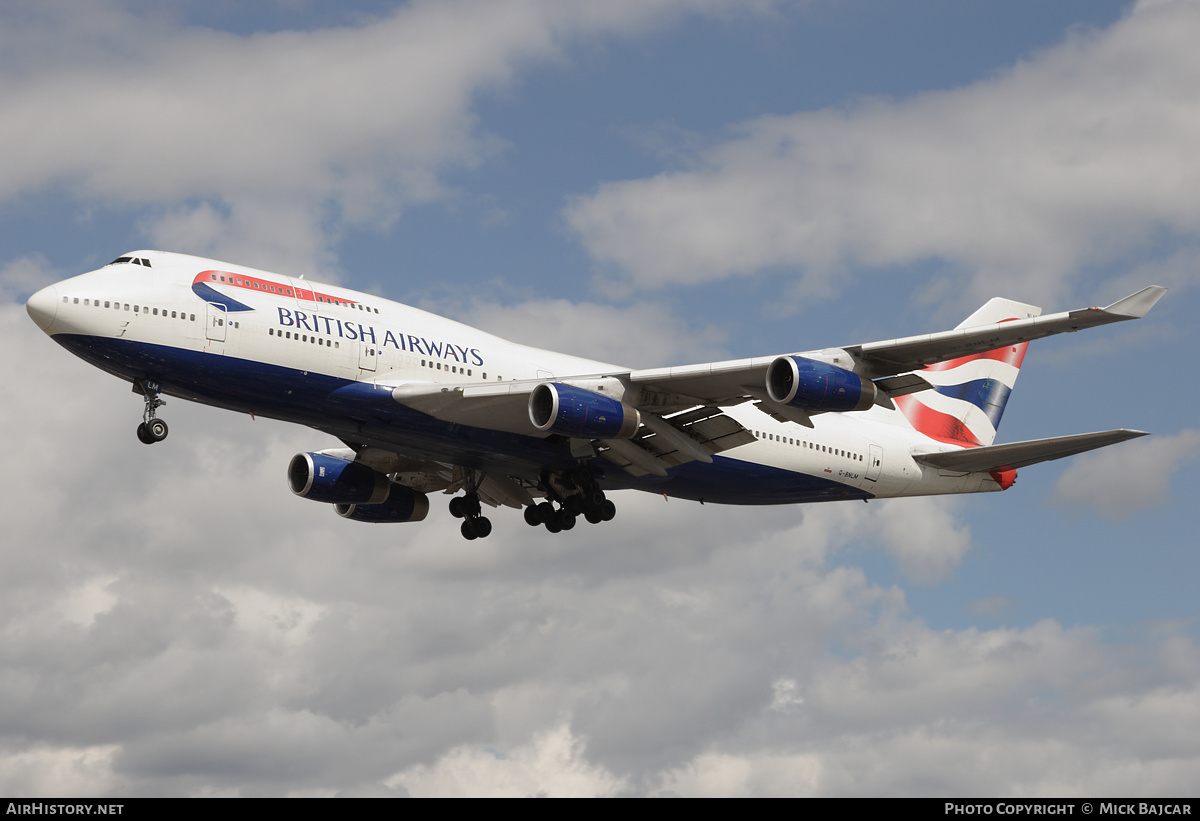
(329, 479)
(570, 411)
(814, 386)
(403, 505)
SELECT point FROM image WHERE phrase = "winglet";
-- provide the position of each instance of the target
(1136, 306)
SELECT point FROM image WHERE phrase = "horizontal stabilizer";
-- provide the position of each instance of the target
(1019, 454)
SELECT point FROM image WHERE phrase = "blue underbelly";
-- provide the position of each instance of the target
(362, 413)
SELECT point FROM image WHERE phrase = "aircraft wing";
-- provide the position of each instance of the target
(911, 353)
(427, 476)
(667, 399)
(1019, 454)
(736, 380)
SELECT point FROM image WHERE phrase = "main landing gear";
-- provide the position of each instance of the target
(577, 494)
(468, 509)
(152, 429)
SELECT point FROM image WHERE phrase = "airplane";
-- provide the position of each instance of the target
(423, 404)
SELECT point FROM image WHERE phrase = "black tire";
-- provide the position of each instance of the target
(608, 510)
(566, 520)
(143, 435)
(471, 505)
(593, 517)
(482, 526)
(157, 430)
(467, 531)
(553, 526)
(456, 507)
(533, 516)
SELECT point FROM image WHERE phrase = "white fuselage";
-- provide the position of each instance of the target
(260, 342)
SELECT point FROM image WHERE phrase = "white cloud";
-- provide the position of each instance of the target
(647, 334)
(1076, 156)
(924, 538)
(1118, 482)
(238, 640)
(275, 140)
(21, 277)
(551, 765)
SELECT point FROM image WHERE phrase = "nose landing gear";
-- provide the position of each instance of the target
(152, 429)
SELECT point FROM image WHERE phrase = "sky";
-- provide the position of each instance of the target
(642, 183)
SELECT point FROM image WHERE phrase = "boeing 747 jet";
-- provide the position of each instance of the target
(426, 405)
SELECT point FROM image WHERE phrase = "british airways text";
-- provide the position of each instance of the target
(356, 330)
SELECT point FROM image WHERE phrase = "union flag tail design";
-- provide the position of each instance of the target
(969, 394)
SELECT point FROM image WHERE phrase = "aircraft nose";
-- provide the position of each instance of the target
(42, 307)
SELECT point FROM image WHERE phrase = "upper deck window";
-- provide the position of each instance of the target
(134, 260)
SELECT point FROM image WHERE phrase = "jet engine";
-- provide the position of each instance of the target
(570, 411)
(815, 386)
(403, 505)
(329, 479)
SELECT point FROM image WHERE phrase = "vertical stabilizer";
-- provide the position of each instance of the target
(970, 392)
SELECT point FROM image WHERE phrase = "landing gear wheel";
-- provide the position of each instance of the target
(593, 516)
(456, 508)
(566, 520)
(608, 510)
(156, 430)
(533, 516)
(470, 505)
(152, 428)
(482, 526)
(468, 530)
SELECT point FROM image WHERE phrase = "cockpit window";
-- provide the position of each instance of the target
(135, 260)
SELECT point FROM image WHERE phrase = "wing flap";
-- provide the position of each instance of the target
(706, 429)
(1020, 454)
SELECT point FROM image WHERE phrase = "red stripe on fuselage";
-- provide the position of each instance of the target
(266, 285)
